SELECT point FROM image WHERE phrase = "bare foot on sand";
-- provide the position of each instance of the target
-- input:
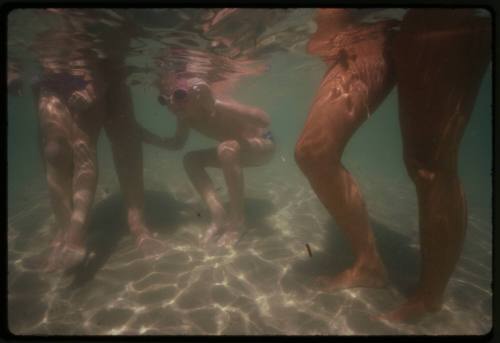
(149, 245)
(52, 262)
(411, 311)
(70, 256)
(212, 231)
(54, 257)
(231, 233)
(353, 278)
(229, 238)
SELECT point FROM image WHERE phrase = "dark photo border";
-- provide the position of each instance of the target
(7, 6)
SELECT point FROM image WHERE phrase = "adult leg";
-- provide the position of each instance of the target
(57, 156)
(85, 131)
(126, 146)
(437, 91)
(350, 91)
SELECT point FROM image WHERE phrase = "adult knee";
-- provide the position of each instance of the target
(311, 157)
(302, 154)
(56, 152)
(427, 171)
(228, 152)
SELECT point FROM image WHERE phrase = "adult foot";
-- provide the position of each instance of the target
(52, 263)
(353, 278)
(149, 245)
(54, 256)
(413, 310)
(70, 256)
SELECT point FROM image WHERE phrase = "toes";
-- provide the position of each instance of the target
(151, 246)
(227, 239)
(210, 234)
(53, 260)
(70, 258)
(325, 283)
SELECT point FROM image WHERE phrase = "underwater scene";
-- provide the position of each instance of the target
(249, 171)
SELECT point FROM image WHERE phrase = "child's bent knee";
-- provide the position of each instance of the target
(228, 151)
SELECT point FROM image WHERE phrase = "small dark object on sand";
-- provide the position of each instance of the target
(198, 214)
(309, 250)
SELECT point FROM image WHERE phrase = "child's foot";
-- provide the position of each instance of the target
(229, 238)
(231, 233)
(212, 231)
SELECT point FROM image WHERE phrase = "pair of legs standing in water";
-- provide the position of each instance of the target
(69, 132)
(438, 60)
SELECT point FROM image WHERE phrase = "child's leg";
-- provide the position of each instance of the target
(195, 163)
(233, 156)
(229, 155)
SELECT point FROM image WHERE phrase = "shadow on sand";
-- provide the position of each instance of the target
(163, 214)
(400, 259)
(256, 211)
(108, 225)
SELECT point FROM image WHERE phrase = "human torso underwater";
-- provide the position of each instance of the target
(224, 122)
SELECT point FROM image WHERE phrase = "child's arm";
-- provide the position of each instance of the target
(180, 138)
(149, 138)
(171, 143)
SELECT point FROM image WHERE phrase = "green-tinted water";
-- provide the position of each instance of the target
(262, 286)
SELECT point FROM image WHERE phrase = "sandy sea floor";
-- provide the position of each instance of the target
(263, 285)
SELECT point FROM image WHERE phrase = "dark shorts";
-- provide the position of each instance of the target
(64, 84)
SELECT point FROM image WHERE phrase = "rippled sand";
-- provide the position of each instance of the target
(263, 285)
